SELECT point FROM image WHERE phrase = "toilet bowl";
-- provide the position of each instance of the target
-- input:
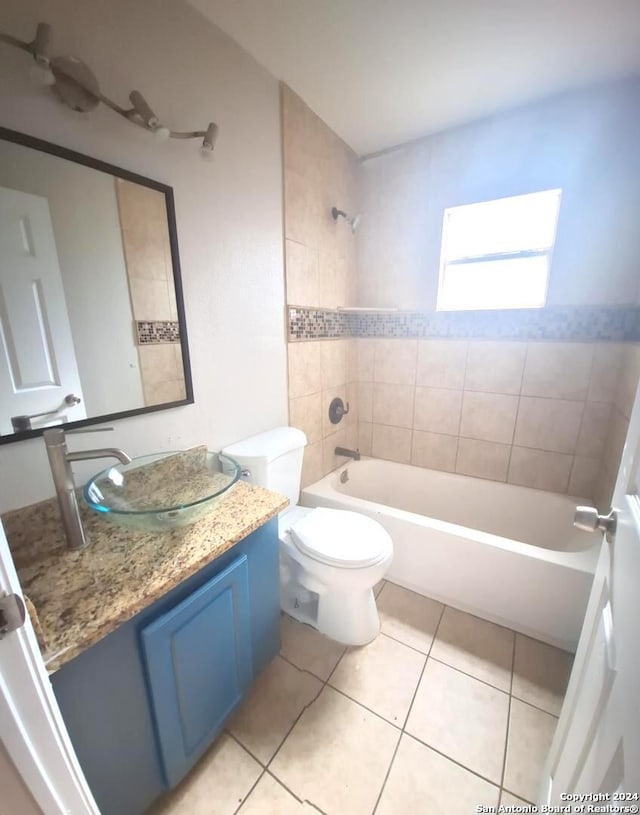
(330, 559)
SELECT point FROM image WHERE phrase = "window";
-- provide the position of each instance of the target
(496, 254)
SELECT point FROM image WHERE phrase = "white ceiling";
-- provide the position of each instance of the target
(382, 72)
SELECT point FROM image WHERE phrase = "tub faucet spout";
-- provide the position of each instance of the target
(344, 451)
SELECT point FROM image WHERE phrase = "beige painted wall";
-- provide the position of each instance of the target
(582, 142)
(229, 211)
(320, 172)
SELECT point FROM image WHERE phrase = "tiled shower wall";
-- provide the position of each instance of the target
(320, 172)
(538, 414)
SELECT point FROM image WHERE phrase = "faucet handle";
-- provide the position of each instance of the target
(88, 430)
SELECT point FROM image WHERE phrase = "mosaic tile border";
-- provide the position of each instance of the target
(156, 332)
(612, 323)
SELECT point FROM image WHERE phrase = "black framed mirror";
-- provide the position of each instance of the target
(92, 322)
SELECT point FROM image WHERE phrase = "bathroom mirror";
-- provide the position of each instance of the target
(92, 324)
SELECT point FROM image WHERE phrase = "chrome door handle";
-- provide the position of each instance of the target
(589, 520)
(21, 423)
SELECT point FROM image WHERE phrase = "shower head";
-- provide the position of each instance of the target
(352, 220)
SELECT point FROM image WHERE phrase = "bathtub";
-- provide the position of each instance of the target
(506, 553)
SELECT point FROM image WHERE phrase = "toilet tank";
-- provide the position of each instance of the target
(273, 459)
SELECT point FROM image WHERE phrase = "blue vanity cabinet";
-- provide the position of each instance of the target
(145, 702)
(198, 659)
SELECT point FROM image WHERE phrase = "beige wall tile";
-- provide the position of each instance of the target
(328, 396)
(395, 361)
(434, 450)
(312, 466)
(584, 476)
(352, 360)
(334, 363)
(302, 211)
(488, 416)
(150, 299)
(441, 363)
(558, 369)
(365, 401)
(594, 429)
(172, 390)
(391, 443)
(366, 352)
(302, 275)
(365, 437)
(540, 469)
(603, 489)
(548, 424)
(495, 366)
(438, 410)
(333, 281)
(158, 364)
(305, 413)
(344, 437)
(615, 441)
(627, 384)
(393, 404)
(304, 368)
(483, 459)
(607, 358)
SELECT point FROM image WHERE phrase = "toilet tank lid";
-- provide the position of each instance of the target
(269, 445)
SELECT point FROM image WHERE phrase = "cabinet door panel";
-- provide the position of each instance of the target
(198, 659)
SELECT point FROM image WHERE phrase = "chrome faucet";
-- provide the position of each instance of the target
(344, 451)
(60, 460)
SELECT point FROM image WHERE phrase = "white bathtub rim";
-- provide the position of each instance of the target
(583, 560)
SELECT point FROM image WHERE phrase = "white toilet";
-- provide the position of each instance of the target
(330, 559)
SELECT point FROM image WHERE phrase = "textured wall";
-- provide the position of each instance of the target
(229, 211)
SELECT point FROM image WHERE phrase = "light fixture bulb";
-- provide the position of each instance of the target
(41, 74)
(161, 133)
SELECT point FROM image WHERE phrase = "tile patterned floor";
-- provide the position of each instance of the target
(442, 712)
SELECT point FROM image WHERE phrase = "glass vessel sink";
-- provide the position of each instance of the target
(163, 491)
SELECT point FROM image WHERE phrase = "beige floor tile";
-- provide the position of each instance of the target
(216, 785)
(540, 674)
(276, 700)
(508, 800)
(270, 798)
(422, 781)
(408, 617)
(461, 717)
(378, 587)
(530, 735)
(382, 676)
(475, 646)
(337, 755)
(308, 649)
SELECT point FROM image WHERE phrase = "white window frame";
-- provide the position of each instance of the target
(524, 253)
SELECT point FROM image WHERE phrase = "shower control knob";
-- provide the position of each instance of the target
(588, 519)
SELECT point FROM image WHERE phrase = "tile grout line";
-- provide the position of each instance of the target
(402, 731)
(506, 735)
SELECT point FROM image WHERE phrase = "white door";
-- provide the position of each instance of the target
(38, 366)
(596, 749)
(31, 726)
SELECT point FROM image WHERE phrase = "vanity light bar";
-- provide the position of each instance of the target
(75, 84)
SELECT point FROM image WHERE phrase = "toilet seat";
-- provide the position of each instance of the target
(340, 538)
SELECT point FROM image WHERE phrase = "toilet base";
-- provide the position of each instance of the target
(350, 619)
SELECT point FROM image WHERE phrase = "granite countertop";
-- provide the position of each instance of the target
(76, 598)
